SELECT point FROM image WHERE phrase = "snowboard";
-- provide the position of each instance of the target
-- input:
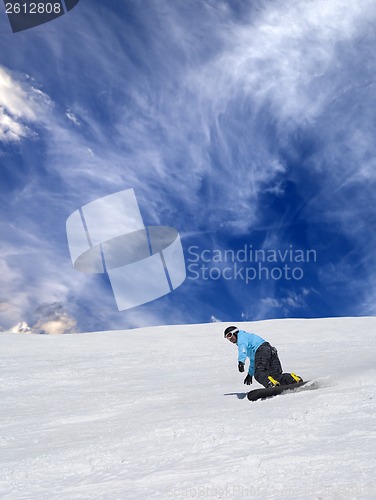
(273, 391)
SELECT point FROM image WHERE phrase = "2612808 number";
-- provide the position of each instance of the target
(33, 8)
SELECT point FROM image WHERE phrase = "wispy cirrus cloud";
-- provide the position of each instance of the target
(10, 128)
(305, 73)
(292, 56)
(202, 113)
(20, 105)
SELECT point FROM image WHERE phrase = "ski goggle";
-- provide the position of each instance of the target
(231, 334)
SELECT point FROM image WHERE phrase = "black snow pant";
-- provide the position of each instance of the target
(267, 364)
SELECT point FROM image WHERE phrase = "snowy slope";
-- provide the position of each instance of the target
(144, 414)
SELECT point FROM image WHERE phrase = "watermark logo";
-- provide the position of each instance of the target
(26, 14)
(248, 264)
(143, 263)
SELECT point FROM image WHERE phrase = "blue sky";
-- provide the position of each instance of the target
(239, 123)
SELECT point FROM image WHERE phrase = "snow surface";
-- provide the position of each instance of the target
(154, 413)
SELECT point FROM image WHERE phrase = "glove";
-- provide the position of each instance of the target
(241, 366)
(248, 379)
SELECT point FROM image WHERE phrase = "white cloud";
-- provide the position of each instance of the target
(54, 320)
(15, 98)
(72, 117)
(20, 103)
(271, 302)
(33, 271)
(286, 56)
(213, 319)
(21, 327)
(11, 129)
(285, 304)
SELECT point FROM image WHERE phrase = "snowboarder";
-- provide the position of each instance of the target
(264, 363)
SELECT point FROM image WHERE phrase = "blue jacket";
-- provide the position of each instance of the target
(248, 343)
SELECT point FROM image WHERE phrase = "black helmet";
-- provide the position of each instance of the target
(231, 329)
